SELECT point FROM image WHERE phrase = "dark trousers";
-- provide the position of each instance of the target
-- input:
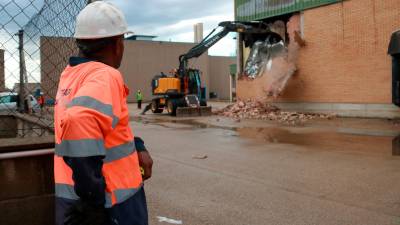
(139, 104)
(133, 211)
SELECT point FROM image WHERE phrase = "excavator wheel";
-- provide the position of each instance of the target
(155, 106)
(171, 107)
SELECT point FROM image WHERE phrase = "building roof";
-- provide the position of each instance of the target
(29, 87)
(140, 37)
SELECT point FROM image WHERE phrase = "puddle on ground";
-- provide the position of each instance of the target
(326, 140)
(346, 140)
(185, 124)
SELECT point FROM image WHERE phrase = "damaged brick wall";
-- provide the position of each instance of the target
(345, 58)
(278, 68)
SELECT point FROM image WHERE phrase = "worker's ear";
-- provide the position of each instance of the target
(121, 43)
(119, 50)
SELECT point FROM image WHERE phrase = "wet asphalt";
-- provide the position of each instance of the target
(216, 171)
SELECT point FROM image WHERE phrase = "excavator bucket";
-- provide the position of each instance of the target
(193, 111)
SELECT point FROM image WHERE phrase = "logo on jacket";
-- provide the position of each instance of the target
(61, 94)
(66, 92)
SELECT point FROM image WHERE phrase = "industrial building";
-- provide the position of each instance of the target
(343, 67)
(143, 59)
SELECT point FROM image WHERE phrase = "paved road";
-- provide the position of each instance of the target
(258, 173)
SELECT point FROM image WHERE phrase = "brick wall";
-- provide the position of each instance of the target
(344, 60)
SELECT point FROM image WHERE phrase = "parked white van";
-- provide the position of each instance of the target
(8, 102)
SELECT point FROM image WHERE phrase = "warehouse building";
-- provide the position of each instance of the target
(343, 67)
(143, 59)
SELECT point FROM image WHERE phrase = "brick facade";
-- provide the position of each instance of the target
(345, 58)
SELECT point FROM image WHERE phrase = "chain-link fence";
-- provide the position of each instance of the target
(35, 44)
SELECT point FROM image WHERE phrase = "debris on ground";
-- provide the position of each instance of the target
(266, 111)
(168, 220)
(200, 157)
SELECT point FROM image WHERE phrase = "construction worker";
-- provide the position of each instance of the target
(139, 98)
(41, 100)
(98, 179)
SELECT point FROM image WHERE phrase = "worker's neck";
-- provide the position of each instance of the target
(103, 59)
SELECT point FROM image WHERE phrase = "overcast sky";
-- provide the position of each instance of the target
(170, 20)
(174, 19)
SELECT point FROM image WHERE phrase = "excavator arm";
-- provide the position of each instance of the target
(209, 41)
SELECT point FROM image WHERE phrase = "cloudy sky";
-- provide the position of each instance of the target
(169, 20)
(174, 19)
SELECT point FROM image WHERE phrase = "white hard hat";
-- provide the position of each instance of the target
(100, 20)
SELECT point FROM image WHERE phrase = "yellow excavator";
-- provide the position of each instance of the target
(182, 92)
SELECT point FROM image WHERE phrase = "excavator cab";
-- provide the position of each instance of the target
(162, 85)
(194, 86)
(182, 95)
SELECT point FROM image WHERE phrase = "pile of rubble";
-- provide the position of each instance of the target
(265, 111)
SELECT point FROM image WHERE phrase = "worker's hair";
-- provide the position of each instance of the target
(90, 47)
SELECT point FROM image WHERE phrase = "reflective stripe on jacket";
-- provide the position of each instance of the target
(92, 119)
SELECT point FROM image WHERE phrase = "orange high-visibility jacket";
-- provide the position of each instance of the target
(92, 119)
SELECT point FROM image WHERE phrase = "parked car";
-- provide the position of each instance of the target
(8, 102)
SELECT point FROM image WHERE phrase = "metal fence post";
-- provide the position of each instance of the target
(21, 92)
